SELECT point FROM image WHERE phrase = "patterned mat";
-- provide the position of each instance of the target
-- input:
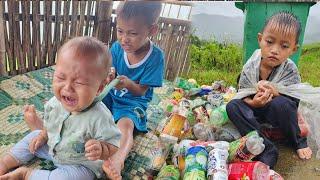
(35, 88)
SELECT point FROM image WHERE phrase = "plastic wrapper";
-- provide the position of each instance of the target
(219, 116)
(176, 126)
(161, 150)
(203, 132)
(227, 133)
(185, 84)
(168, 172)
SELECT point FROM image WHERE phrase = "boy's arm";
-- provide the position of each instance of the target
(135, 88)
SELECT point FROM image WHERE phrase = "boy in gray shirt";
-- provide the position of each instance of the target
(78, 132)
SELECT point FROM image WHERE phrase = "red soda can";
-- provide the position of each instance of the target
(255, 170)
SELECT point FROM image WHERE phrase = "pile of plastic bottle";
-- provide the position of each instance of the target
(201, 142)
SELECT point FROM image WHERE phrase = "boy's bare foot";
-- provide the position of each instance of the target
(20, 173)
(304, 153)
(112, 167)
(31, 117)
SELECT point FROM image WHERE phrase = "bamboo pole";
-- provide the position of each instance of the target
(2, 45)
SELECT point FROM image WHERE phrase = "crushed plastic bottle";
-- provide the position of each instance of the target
(219, 116)
(246, 148)
(255, 145)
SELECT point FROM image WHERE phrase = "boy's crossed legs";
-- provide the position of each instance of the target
(280, 109)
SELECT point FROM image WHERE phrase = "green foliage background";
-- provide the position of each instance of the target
(211, 60)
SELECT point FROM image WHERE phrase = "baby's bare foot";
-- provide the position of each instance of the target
(304, 153)
(31, 118)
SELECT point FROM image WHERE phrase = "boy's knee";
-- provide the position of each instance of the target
(233, 105)
(283, 104)
(125, 124)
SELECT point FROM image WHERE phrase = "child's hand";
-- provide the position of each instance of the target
(273, 90)
(261, 99)
(261, 86)
(37, 142)
(264, 85)
(123, 83)
(111, 74)
(93, 149)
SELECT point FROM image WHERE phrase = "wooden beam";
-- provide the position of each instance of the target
(3, 63)
(104, 21)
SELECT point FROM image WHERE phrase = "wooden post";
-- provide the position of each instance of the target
(2, 45)
(103, 30)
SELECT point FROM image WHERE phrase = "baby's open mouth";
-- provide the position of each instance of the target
(69, 100)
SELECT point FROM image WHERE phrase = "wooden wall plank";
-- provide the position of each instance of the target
(36, 32)
(57, 29)
(65, 26)
(82, 15)
(3, 61)
(73, 28)
(89, 4)
(103, 14)
(48, 26)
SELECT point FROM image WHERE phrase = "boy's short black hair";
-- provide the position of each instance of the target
(286, 21)
(149, 10)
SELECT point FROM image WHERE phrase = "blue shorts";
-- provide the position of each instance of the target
(134, 111)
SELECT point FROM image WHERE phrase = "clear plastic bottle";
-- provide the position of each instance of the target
(203, 132)
(255, 145)
(246, 148)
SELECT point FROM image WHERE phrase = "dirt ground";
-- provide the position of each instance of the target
(292, 168)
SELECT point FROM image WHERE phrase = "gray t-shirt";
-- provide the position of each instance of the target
(68, 133)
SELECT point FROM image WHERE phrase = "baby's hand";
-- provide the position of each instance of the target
(93, 149)
(37, 142)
